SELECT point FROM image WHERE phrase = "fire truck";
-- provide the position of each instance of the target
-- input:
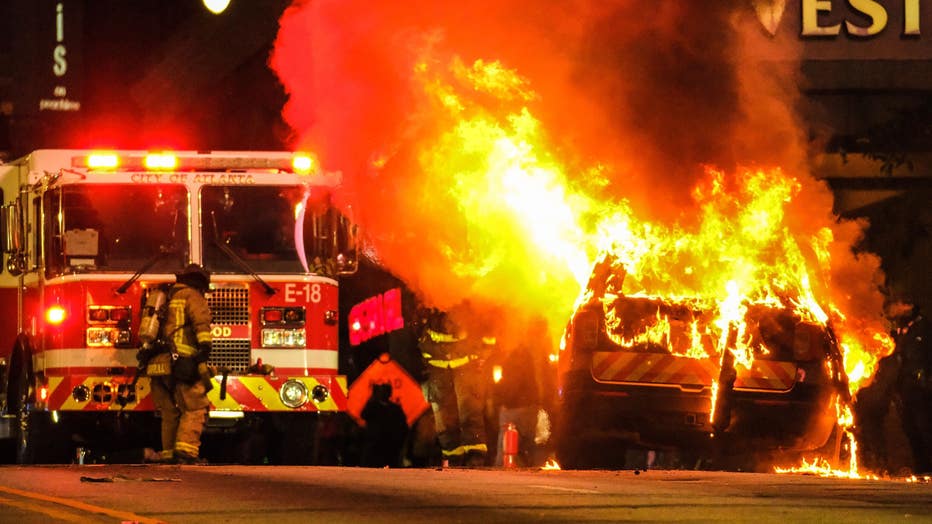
(89, 235)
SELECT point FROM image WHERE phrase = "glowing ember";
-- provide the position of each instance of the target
(914, 478)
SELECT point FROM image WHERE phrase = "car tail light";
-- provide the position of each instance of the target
(585, 332)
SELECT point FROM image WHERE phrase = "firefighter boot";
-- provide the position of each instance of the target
(475, 459)
(188, 460)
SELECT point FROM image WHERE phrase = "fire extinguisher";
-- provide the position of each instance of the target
(510, 446)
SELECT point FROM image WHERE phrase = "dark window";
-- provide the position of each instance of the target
(116, 227)
(273, 229)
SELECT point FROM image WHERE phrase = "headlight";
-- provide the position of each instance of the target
(283, 338)
(100, 336)
(293, 393)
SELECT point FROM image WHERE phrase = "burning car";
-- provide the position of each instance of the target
(685, 374)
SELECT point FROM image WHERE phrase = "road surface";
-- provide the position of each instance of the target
(293, 494)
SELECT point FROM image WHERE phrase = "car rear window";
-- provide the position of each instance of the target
(690, 328)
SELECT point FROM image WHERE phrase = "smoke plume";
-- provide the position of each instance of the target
(645, 94)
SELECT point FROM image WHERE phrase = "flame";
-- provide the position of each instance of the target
(551, 464)
(823, 467)
(740, 252)
(517, 205)
(516, 214)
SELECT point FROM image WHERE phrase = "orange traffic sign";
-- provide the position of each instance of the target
(406, 392)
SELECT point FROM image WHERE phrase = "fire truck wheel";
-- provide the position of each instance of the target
(30, 447)
(18, 396)
(18, 386)
(33, 431)
(19, 403)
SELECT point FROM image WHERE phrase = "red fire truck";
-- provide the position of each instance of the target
(88, 235)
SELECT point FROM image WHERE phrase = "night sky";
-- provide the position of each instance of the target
(153, 72)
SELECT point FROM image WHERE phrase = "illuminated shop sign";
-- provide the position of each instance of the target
(849, 29)
(60, 99)
(375, 316)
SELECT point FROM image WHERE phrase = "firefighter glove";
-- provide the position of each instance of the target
(205, 372)
(184, 370)
(203, 352)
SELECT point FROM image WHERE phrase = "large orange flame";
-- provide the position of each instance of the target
(479, 180)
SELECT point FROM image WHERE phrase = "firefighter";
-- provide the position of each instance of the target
(454, 353)
(914, 387)
(181, 396)
(520, 393)
(901, 381)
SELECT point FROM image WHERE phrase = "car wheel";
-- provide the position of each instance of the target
(573, 444)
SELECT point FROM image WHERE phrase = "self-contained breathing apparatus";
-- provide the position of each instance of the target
(156, 355)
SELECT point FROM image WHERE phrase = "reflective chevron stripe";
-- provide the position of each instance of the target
(659, 368)
(243, 393)
(767, 374)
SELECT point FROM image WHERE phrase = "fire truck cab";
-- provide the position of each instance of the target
(88, 235)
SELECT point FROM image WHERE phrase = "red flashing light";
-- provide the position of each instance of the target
(97, 314)
(119, 313)
(43, 393)
(271, 316)
(55, 315)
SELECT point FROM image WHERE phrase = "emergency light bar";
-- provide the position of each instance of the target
(100, 161)
(160, 161)
(166, 161)
(302, 164)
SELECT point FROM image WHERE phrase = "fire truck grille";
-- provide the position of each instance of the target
(230, 353)
(230, 305)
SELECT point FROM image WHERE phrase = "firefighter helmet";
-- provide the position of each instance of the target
(195, 276)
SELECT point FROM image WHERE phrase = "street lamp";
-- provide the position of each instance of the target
(216, 6)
